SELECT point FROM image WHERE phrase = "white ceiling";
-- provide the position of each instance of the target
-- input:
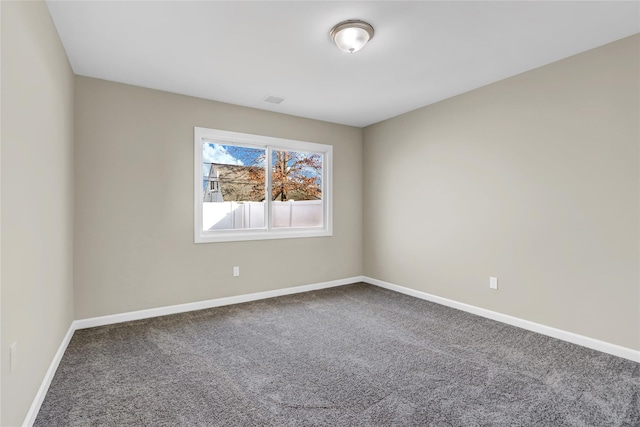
(240, 52)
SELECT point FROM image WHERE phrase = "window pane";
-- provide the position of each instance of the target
(233, 187)
(296, 179)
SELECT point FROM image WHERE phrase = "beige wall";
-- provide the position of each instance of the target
(534, 179)
(37, 200)
(134, 244)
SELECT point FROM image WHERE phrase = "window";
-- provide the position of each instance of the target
(251, 187)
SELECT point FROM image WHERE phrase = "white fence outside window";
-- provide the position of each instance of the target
(243, 215)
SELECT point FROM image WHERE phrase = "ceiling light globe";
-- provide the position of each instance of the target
(351, 39)
(351, 36)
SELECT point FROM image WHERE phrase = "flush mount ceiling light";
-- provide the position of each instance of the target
(351, 36)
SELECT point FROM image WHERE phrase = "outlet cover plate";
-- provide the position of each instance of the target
(13, 357)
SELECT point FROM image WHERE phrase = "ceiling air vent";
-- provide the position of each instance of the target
(273, 99)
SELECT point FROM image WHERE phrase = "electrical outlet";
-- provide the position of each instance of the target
(236, 271)
(493, 282)
(13, 357)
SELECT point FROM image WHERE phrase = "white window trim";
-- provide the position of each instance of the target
(269, 143)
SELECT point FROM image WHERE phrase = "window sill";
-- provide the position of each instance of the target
(248, 235)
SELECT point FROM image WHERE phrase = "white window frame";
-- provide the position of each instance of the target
(269, 144)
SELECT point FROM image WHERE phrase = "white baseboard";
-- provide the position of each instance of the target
(48, 377)
(591, 343)
(200, 305)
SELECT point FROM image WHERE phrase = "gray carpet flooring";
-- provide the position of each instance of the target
(355, 355)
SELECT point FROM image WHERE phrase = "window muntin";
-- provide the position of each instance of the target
(231, 200)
